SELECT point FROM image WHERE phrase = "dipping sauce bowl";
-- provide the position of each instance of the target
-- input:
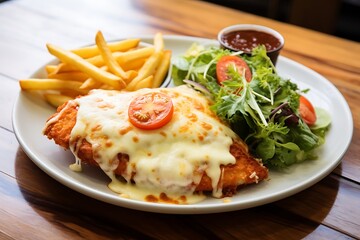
(245, 37)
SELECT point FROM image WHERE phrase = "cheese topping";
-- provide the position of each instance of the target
(163, 163)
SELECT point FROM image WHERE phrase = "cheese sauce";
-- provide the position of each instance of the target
(166, 163)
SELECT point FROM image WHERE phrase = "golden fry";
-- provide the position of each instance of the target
(121, 57)
(146, 70)
(106, 87)
(132, 74)
(96, 61)
(113, 65)
(56, 100)
(125, 57)
(50, 84)
(134, 65)
(144, 83)
(90, 83)
(158, 42)
(74, 76)
(162, 69)
(50, 68)
(91, 51)
(108, 58)
(86, 67)
(64, 67)
(70, 93)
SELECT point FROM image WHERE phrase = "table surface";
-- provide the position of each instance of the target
(35, 206)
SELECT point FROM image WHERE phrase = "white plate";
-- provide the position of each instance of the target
(31, 112)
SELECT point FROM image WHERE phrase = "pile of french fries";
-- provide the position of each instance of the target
(121, 65)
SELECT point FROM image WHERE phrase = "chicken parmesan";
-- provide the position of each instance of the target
(157, 145)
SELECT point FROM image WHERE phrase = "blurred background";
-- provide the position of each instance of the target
(336, 17)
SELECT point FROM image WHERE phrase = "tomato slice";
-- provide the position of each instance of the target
(307, 111)
(151, 110)
(222, 68)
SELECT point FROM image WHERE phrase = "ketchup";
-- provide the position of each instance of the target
(246, 40)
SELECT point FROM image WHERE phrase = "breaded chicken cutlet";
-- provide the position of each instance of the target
(192, 152)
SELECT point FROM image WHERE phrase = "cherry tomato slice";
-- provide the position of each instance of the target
(224, 63)
(307, 111)
(151, 110)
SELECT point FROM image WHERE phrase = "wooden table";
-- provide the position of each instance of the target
(34, 206)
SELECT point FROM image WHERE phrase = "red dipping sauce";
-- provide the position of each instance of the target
(246, 40)
(245, 37)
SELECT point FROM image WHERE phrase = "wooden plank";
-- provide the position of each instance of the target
(268, 222)
(27, 54)
(8, 95)
(44, 202)
(21, 61)
(9, 149)
(24, 53)
(29, 198)
(39, 218)
(307, 208)
(339, 210)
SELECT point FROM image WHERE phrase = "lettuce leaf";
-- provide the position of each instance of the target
(263, 112)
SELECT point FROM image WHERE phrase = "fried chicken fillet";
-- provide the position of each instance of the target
(246, 170)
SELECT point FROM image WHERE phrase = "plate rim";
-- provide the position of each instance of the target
(194, 208)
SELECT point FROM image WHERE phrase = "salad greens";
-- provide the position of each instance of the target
(263, 112)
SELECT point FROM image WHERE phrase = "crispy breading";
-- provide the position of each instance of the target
(246, 170)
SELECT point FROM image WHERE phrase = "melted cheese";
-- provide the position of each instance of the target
(169, 160)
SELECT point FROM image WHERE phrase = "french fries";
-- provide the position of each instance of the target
(146, 70)
(56, 99)
(84, 66)
(159, 42)
(92, 51)
(106, 65)
(54, 84)
(109, 59)
(162, 69)
(76, 76)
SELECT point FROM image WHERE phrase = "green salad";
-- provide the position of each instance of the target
(270, 113)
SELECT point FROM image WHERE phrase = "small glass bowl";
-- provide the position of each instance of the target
(273, 54)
